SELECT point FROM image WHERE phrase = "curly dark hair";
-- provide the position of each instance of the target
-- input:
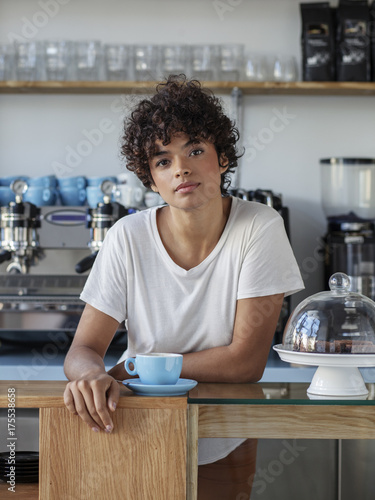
(179, 105)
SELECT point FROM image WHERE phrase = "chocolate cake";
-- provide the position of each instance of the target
(335, 346)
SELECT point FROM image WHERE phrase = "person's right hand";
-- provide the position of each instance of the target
(92, 398)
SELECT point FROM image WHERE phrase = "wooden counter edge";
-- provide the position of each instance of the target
(49, 394)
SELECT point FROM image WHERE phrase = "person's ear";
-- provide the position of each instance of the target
(223, 163)
(154, 188)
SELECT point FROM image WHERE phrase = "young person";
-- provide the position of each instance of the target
(204, 275)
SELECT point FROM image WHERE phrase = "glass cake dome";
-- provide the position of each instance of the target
(334, 330)
(337, 322)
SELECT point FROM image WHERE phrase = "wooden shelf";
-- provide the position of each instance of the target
(248, 88)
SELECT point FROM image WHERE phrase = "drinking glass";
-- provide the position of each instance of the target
(26, 59)
(283, 69)
(291, 71)
(57, 59)
(204, 61)
(6, 59)
(117, 61)
(88, 60)
(255, 68)
(231, 57)
(175, 59)
(146, 60)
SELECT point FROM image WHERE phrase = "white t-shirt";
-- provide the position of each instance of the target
(170, 309)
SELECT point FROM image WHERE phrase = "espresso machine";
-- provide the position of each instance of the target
(98, 221)
(46, 253)
(19, 224)
(348, 199)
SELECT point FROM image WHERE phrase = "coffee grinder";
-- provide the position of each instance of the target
(348, 198)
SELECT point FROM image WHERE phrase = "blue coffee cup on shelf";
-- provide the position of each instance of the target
(156, 368)
(78, 182)
(6, 196)
(7, 181)
(40, 196)
(47, 181)
(72, 196)
(97, 181)
(94, 196)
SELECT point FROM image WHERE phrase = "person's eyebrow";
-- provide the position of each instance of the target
(186, 145)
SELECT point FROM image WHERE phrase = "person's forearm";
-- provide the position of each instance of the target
(82, 361)
(218, 364)
(245, 358)
(223, 364)
(118, 372)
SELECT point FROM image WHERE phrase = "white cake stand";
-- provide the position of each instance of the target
(337, 375)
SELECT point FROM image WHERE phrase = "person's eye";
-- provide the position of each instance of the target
(196, 152)
(161, 163)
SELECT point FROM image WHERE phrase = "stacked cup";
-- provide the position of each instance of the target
(6, 61)
(41, 191)
(130, 191)
(146, 62)
(204, 60)
(6, 193)
(27, 60)
(72, 190)
(118, 61)
(95, 190)
(58, 55)
(88, 60)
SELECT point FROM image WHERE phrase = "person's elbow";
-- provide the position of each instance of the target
(250, 374)
(245, 367)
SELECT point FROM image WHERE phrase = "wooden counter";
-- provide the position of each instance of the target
(153, 451)
(143, 458)
(29, 491)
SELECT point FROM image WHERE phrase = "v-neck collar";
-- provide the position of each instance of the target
(210, 257)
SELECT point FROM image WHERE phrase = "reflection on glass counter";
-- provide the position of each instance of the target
(267, 394)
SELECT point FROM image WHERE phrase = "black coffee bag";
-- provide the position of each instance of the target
(317, 39)
(353, 46)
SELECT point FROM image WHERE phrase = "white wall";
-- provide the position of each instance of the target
(36, 130)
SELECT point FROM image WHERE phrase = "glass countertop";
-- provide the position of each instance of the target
(268, 394)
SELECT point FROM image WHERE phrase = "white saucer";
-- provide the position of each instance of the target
(182, 387)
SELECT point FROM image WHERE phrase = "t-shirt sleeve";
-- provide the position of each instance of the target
(269, 266)
(105, 288)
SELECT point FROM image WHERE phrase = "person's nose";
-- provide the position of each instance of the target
(182, 168)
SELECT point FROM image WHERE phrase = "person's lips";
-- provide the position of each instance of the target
(187, 187)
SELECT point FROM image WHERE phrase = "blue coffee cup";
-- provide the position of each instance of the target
(6, 196)
(40, 196)
(7, 181)
(94, 196)
(68, 182)
(72, 196)
(47, 181)
(156, 368)
(97, 181)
